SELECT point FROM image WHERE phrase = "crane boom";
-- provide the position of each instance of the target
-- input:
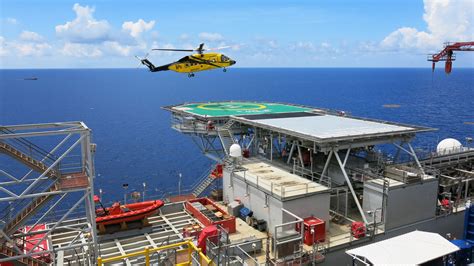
(447, 54)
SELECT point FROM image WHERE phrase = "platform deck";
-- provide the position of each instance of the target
(226, 109)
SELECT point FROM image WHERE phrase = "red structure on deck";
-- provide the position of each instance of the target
(319, 230)
(31, 242)
(358, 229)
(209, 213)
(447, 54)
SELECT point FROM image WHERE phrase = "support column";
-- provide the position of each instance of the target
(416, 158)
(90, 204)
(326, 166)
(412, 153)
(300, 155)
(271, 147)
(291, 152)
(341, 165)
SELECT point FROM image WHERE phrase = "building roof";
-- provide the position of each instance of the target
(331, 126)
(412, 248)
(323, 127)
(278, 182)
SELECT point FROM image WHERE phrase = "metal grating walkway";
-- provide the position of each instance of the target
(166, 227)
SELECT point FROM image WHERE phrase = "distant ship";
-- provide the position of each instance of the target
(30, 78)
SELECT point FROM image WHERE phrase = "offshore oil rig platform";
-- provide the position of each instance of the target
(291, 185)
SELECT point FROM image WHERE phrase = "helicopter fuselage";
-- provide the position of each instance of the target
(200, 62)
(193, 63)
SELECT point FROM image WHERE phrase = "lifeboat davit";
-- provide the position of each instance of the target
(118, 214)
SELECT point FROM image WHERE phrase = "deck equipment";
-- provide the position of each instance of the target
(119, 214)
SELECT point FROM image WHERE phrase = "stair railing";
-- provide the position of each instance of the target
(29, 148)
(17, 207)
(204, 177)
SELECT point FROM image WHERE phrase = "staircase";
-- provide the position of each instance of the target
(208, 179)
(9, 252)
(469, 224)
(27, 160)
(202, 186)
(25, 151)
(226, 136)
(28, 211)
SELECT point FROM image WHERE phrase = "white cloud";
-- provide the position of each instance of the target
(85, 36)
(136, 28)
(309, 46)
(3, 46)
(325, 45)
(184, 37)
(24, 48)
(31, 36)
(272, 44)
(210, 37)
(116, 48)
(81, 50)
(12, 21)
(33, 49)
(84, 28)
(447, 20)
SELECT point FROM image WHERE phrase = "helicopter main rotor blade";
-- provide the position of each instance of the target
(174, 50)
(218, 48)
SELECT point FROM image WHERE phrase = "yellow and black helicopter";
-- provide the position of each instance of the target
(192, 63)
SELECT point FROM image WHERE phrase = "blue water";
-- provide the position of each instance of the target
(136, 144)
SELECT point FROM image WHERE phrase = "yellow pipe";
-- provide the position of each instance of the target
(146, 252)
(147, 256)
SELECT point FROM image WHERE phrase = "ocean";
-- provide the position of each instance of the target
(135, 143)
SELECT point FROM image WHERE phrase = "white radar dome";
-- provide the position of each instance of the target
(448, 145)
(235, 151)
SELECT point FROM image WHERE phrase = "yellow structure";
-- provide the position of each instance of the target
(185, 255)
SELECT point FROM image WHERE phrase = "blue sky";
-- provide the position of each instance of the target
(323, 33)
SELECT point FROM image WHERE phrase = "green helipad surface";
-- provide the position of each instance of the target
(238, 108)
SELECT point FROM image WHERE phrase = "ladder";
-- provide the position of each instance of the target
(226, 136)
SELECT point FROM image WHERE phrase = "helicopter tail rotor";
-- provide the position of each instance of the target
(144, 61)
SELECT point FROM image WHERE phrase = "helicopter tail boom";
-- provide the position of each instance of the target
(152, 67)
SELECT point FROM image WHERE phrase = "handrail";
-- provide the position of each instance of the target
(30, 145)
(146, 252)
(187, 190)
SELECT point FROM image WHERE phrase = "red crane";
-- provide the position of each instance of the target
(447, 54)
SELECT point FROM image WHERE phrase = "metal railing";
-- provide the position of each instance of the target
(278, 189)
(198, 258)
(29, 148)
(324, 180)
(153, 194)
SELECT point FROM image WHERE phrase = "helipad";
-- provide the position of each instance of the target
(217, 109)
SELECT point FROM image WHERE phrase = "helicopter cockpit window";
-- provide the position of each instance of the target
(224, 58)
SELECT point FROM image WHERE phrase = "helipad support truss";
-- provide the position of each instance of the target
(58, 177)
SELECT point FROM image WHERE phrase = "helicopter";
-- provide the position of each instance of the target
(192, 63)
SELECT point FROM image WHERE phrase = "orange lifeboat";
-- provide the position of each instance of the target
(118, 214)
